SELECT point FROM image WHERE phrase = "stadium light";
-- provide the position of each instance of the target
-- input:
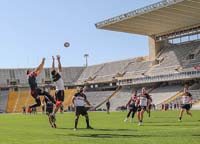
(86, 59)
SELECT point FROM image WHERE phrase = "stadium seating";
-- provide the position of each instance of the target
(163, 93)
(97, 97)
(120, 99)
(174, 57)
(4, 76)
(20, 74)
(3, 100)
(18, 99)
(90, 71)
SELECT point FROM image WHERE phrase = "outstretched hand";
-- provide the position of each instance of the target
(58, 57)
(53, 58)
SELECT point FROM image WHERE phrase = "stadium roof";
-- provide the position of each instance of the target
(160, 18)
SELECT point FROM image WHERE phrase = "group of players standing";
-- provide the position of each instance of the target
(137, 103)
(141, 103)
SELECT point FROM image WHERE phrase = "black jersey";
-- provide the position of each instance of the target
(48, 102)
(32, 80)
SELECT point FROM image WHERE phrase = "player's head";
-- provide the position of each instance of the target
(53, 72)
(186, 89)
(135, 92)
(143, 90)
(28, 72)
(81, 90)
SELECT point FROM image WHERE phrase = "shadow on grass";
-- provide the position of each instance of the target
(107, 135)
(96, 129)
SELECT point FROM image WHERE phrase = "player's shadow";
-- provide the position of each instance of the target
(96, 129)
(108, 135)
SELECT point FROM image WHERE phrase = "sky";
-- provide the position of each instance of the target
(33, 29)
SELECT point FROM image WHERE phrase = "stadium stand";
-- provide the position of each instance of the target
(4, 76)
(71, 74)
(120, 99)
(3, 100)
(20, 74)
(163, 93)
(90, 72)
(18, 99)
(97, 97)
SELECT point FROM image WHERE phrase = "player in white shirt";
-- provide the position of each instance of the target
(187, 103)
(143, 102)
(79, 100)
(59, 83)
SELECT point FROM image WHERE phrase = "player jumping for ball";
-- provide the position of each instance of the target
(59, 83)
(35, 90)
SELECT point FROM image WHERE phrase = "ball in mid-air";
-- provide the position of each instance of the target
(66, 44)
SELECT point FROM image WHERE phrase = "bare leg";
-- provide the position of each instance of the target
(181, 114)
(188, 112)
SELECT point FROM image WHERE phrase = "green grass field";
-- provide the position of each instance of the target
(161, 128)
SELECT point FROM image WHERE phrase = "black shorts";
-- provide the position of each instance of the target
(37, 92)
(186, 106)
(81, 110)
(60, 95)
(49, 109)
(133, 108)
(144, 108)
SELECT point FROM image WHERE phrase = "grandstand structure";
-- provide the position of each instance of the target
(173, 30)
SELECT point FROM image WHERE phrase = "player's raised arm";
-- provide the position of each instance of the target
(59, 64)
(39, 69)
(53, 63)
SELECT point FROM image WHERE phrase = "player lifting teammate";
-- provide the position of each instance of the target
(79, 101)
(144, 100)
(187, 103)
(132, 106)
(35, 90)
(59, 83)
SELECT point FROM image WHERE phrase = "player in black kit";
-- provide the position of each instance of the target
(35, 90)
(49, 110)
(79, 100)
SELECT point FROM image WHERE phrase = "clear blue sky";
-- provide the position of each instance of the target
(32, 29)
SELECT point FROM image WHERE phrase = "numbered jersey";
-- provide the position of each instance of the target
(79, 99)
(186, 99)
(144, 99)
(58, 81)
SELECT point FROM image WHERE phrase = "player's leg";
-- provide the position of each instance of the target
(76, 121)
(141, 116)
(59, 100)
(138, 113)
(41, 92)
(188, 110)
(129, 112)
(37, 103)
(88, 121)
(149, 113)
(50, 120)
(133, 114)
(181, 114)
